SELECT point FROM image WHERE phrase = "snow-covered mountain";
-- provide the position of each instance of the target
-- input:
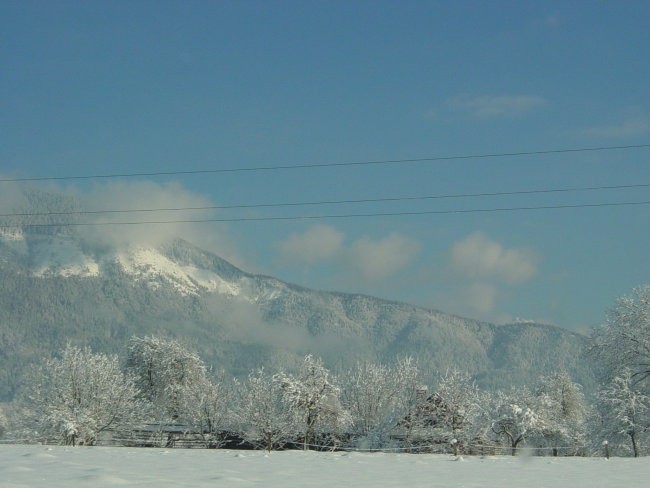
(56, 288)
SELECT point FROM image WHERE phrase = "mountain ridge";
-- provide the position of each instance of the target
(56, 289)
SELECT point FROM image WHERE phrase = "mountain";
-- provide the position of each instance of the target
(53, 290)
(57, 287)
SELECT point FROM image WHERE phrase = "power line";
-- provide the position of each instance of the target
(334, 216)
(332, 202)
(308, 165)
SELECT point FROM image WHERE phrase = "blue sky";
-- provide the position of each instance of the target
(91, 88)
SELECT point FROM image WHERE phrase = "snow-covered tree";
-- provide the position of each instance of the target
(454, 407)
(207, 407)
(413, 427)
(264, 415)
(562, 406)
(514, 418)
(625, 409)
(167, 373)
(374, 395)
(78, 396)
(624, 341)
(3, 422)
(315, 399)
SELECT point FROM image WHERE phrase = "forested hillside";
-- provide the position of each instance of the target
(238, 321)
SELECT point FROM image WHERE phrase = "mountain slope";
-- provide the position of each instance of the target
(55, 289)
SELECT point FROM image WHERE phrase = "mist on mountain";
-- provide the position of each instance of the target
(101, 285)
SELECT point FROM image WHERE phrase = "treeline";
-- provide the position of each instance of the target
(164, 391)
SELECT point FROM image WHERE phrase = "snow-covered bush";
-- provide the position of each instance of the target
(73, 399)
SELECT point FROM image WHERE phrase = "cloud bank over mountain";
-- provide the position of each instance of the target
(474, 275)
(478, 256)
(99, 285)
(364, 260)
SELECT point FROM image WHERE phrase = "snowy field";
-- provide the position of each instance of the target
(54, 467)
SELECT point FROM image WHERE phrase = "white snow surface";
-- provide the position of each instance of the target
(149, 264)
(70, 467)
(62, 256)
(14, 239)
(12, 234)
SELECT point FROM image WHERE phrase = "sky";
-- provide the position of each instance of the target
(223, 89)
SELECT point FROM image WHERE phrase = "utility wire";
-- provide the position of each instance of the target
(308, 165)
(335, 216)
(332, 202)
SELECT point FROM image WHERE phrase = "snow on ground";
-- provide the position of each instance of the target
(59, 467)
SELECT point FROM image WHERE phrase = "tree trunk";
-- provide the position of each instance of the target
(269, 442)
(309, 431)
(635, 447)
(515, 443)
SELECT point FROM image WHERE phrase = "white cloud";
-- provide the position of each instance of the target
(477, 256)
(481, 297)
(478, 300)
(383, 258)
(12, 197)
(140, 195)
(318, 243)
(632, 125)
(489, 107)
(364, 261)
(133, 202)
